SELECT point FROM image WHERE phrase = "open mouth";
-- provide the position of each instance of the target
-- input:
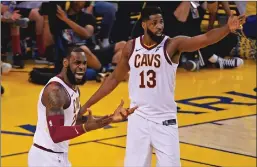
(79, 75)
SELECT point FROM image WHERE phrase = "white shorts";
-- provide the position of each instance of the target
(143, 135)
(38, 157)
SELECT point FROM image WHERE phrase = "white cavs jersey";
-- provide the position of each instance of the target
(42, 136)
(152, 81)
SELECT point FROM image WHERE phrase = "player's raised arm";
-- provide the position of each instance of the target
(114, 79)
(187, 44)
(55, 99)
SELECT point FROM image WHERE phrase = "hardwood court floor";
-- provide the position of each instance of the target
(216, 119)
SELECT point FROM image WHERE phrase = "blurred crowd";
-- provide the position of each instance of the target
(41, 31)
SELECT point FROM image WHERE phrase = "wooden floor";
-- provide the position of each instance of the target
(217, 120)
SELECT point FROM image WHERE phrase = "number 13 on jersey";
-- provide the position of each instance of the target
(147, 79)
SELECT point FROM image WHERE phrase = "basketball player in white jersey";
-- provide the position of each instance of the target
(152, 60)
(58, 107)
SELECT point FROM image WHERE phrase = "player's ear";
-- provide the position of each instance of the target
(65, 62)
(144, 25)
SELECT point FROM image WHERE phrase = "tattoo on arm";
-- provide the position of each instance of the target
(55, 100)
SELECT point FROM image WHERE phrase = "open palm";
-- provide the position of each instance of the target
(235, 22)
(121, 114)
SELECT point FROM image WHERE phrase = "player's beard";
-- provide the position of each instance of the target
(72, 78)
(154, 37)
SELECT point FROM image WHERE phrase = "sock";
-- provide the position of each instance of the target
(101, 70)
(213, 59)
(16, 47)
(40, 44)
(105, 42)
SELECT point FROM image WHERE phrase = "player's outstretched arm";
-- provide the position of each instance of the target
(55, 100)
(187, 44)
(113, 80)
(119, 115)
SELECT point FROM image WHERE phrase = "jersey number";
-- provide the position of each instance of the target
(151, 82)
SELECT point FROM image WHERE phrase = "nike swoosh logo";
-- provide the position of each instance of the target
(138, 49)
(76, 131)
(158, 48)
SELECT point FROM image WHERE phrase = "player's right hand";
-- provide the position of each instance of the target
(96, 123)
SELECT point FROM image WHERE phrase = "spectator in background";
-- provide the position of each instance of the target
(241, 6)
(106, 10)
(8, 13)
(25, 10)
(76, 27)
(122, 27)
(60, 16)
(12, 18)
(215, 54)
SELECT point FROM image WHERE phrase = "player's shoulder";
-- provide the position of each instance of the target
(129, 48)
(176, 39)
(131, 42)
(55, 90)
(54, 87)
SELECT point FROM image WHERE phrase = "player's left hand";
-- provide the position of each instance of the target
(61, 14)
(236, 22)
(121, 114)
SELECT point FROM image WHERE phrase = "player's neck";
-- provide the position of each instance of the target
(148, 41)
(66, 80)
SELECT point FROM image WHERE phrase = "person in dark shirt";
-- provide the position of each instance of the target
(69, 25)
(62, 16)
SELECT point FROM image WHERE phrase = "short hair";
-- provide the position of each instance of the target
(148, 11)
(71, 49)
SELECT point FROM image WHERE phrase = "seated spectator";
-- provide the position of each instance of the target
(77, 28)
(106, 10)
(213, 54)
(216, 53)
(25, 10)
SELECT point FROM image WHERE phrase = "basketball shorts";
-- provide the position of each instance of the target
(38, 157)
(143, 136)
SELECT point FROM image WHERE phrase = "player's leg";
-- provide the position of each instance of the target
(65, 160)
(165, 140)
(138, 147)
